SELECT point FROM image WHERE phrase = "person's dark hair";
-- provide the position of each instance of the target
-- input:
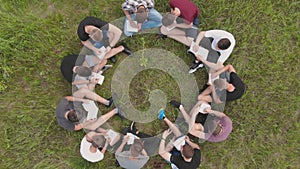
(83, 71)
(98, 141)
(168, 19)
(141, 14)
(136, 148)
(217, 130)
(224, 44)
(96, 34)
(72, 116)
(187, 151)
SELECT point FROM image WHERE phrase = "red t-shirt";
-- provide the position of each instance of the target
(188, 10)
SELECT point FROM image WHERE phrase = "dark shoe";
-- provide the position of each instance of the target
(127, 50)
(110, 102)
(121, 113)
(106, 67)
(113, 59)
(133, 129)
(161, 36)
(191, 53)
(175, 103)
(195, 66)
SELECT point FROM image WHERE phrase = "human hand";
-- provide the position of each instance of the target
(139, 26)
(125, 139)
(199, 57)
(94, 80)
(97, 51)
(108, 48)
(132, 24)
(207, 110)
(166, 133)
(196, 48)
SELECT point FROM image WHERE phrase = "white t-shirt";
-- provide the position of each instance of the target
(86, 154)
(218, 35)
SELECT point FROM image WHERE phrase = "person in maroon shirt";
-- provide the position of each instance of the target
(182, 23)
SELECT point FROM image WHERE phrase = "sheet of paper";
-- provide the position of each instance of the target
(210, 80)
(201, 51)
(99, 77)
(203, 106)
(131, 138)
(130, 28)
(179, 142)
(102, 54)
(92, 109)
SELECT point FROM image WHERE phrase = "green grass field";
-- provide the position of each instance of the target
(36, 35)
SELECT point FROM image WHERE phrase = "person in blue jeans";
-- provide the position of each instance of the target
(140, 14)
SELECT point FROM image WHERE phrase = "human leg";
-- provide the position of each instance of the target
(205, 95)
(154, 19)
(178, 35)
(173, 127)
(101, 120)
(86, 93)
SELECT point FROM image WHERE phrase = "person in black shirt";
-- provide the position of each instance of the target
(188, 157)
(221, 90)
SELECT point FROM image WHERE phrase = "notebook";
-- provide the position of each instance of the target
(102, 54)
(179, 142)
(92, 109)
(201, 51)
(99, 77)
(203, 106)
(130, 28)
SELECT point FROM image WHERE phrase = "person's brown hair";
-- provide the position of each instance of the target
(187, 151)
(98, 141)
(72, 116)
(224, 44)
(136, 148)
(83, 71)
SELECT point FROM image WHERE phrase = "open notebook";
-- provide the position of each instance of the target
(102, 54)
(92, 109)
(130, 28)
(203, 106)
(179, 142)
(99, 77)
(201, 51)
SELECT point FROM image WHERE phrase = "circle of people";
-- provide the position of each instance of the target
(209, 48)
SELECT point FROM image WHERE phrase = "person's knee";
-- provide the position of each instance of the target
(163, 30)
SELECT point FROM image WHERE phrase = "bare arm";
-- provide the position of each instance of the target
(162, 149)
(200, 37)
(228, 68)
(194, 145)
(116, 34)
(120, 149)
(216, 113)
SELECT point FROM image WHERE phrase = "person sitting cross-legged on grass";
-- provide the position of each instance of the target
(220, 41)
(182, 23)
(134, 158)
(221, 90)
(189, 154)
(95, 33)
(70, 119)
(141, 15)
(205, 123)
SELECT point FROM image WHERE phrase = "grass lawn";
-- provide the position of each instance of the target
(36, 35)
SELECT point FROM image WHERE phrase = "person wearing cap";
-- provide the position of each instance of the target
(95, 33)
(140, 14)
(182, 22)
(205, 123)
(224, 90)
(134, 158)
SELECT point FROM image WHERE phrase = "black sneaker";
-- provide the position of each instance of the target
(133, 129)
(127, 50)
(106, 67)
(175, 103)
(110, 102)
(121, 113)
(160, 36)
(113, 59)
(195, 66)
